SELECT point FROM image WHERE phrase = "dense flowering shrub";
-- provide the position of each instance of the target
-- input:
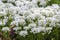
(25, 20)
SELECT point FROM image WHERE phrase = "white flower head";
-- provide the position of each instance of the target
(26, 27)
(21, 22)
(18, 3)
(48, 28)
(23, 33)
(55, 6)
(17, 28)
(2, 13)
(27, 13)
(1, 22)
(5, 29)
(42, 22)
(14, 23)
(32, 25)
(37, 30)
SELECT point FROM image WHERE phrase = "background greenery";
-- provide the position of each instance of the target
(53, 2)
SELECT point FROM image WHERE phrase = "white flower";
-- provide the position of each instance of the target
(23, 33)
(2, 13)
(26, 28)
(54, 21)
(27, 13)
(42, 22)
(43, 3)
(22, 17)
(32, 25)
(37, 15)
(1, 4)
(1, 22)
(42, 28)
(17, 17)
(17, 28)
(12, 10)
(37, 30)
(5, 21)
(5, 29)
(48, 28)
(47, 12)
(18, 3)
(14, 23)
(55, 6)
(8, 5)
(28, 18)
(21, 21)
(32, 16)
(57, 17)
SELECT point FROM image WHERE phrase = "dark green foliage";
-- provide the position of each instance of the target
(38, 3)
(53, 2)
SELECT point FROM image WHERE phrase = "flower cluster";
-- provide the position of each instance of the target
(25, 15)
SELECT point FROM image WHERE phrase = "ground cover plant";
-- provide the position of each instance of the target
(29, 19)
